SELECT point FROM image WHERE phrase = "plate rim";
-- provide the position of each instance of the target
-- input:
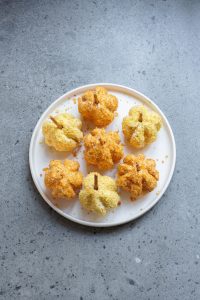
(88, 223)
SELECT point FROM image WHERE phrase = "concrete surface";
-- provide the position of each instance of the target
(49, 47)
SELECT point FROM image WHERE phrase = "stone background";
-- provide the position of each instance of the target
(48, 48)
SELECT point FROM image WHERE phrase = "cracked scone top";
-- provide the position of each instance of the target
(137, 175)
(99, 196)
(102, 149)
(63, 132)
(63, 178)
(141, 126)
(98, 106)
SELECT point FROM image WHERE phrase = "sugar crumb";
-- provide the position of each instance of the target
(116, 114)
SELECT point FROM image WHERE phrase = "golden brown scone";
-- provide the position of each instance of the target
(137, 175)
(63, 178)
(141, 126)
(102, 149)
(63, 132)
(99, 194)
(98, 106)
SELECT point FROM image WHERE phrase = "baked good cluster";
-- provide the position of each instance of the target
(103, 150)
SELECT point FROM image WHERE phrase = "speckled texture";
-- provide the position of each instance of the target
(48, 48)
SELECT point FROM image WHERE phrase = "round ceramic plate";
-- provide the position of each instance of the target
(163, 150)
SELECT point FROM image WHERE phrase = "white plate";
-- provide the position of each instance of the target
(163, 150)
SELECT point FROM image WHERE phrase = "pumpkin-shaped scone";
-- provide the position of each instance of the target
(98, 106)
(62, 132)
(99, 193)
(137, 175)
(102, 149)
(141, 126)
(63, 178)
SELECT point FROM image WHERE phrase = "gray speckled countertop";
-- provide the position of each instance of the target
(48, 48)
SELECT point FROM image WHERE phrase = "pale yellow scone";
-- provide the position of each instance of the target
(98, 106)
(99, 197)
(63, 178)
(63, 132)
(137, 175)
(102, 149)
(141, 126)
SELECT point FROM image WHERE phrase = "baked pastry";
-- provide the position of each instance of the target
(137, 175)
(99, 193)
(98, 106)
(63, 132)
(141, 126)
(102, 149)
(63, 178)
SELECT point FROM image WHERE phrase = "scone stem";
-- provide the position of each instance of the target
(55, 122)
(95, 182)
